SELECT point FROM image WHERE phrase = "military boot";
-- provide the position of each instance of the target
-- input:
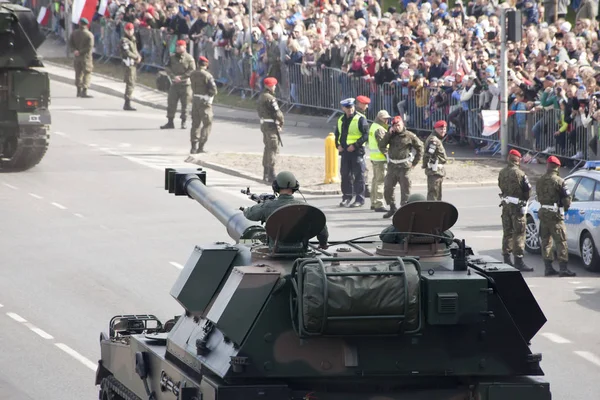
(195, 148)
(549, 270)
(168, 125)
(564, 271)
(521, 266)
(183, 124)
(367, 192)
(271, 176)
(84, 94)
(392, 211)
(507, 260)
(78, 92)
(265, 174)
(128, 107)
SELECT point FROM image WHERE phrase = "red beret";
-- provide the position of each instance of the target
(515, 153)
(180, 43)
(203, 59)
(396, 119)
(129, 25)
(270, 81)
(440, 124)
(553, 160)
(363, 99)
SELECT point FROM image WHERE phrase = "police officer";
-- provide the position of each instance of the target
(553, 195)
(82, 44)
(515, 188)
(434, 159)
(351, 133)
(285, 184)
(179, 68)
(271, 124)
(362, 105)
(378, 162)
(130, 57)
(204, 89)
(401, 161)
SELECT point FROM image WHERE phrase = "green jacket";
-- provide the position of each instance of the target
(391, 235)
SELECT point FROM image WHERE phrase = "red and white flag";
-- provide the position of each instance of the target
(103, 8)
(83, 9)
(44, 16)
(491, 121)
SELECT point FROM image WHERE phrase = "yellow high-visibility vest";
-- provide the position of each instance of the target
(374, 153)
(353, 132)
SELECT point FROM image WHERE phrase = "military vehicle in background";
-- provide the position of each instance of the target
(24, 90)
(273, 317)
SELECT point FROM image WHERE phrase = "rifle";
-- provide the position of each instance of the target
(258, 198)
(279, 137)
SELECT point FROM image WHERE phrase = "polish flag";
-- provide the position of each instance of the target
(103, 8)
(491, 121)
(44, 16)
(83, 9)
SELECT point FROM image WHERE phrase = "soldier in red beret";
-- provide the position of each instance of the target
(555, 199)
(130, 57)
(434, 159)
(179, 68)
(515, 188)
(271, 125)
(204, 89)
(361, 105)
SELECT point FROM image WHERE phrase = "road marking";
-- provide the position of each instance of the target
(16, 317)
(37, 196)
(40, 332)
(125, 145)
(575, 282)
(78, 215)
(10, 186)
(589, 356)
(532, 286)
(60, 133)
(76, 356)
(555, 338)
(92, 145)
(1, 305)
(176, 265)
(584, 288)
(154, 149)
(59, 206)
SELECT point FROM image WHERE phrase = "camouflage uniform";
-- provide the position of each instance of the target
(204, 89)
(82, 40)
(434, 159)
(271, 123)
(553, 193)
(262, 211)
(182, 65)
(129, 55)
(515, 188)
(400, 162)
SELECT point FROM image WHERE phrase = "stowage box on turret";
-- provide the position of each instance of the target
(273, 317)
(24, 90)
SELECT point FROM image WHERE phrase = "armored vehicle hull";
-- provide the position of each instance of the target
(265, 318)
(24, 91)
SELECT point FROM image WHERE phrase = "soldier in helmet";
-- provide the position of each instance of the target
(204, 89)
(554, 196)
(515, 188)
(130, 57)
(434, 159)
(271, 124)
(82, 44)
(285, 184)
(179, 68)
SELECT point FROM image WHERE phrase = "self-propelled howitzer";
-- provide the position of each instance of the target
(272, 317)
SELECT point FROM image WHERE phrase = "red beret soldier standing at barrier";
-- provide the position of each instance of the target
(515, 188)
(362, 104)
(204, 89)
(434, 159)
(271, 124)
(130, 57)
(179, 68)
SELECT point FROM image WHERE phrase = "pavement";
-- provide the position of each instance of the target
(90, 233)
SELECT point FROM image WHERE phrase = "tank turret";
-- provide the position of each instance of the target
(273, 317)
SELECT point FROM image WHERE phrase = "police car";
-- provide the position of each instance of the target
(582, 220)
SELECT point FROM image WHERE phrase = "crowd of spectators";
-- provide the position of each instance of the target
(445, 56)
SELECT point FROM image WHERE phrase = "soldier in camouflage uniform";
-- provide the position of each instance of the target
(515, 188)
(434, 159)
(82, 44)
(271, 124)
(179, 68)
(401, 161)
(285, 184)
(204, 89)
(130, 57)
(553, 195)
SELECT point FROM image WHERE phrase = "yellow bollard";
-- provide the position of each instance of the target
(331, 160)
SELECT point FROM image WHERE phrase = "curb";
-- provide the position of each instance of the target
(246, 175)
(221, 115)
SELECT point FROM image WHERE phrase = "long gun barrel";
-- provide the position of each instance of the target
(192, 183)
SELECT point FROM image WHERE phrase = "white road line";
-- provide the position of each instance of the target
(16, 317)
(37, 196)
(76, 356)
(176, 265)
(40, 332)
(154, 149)
(92, 145)
(575, 282)
(10, 186)
(1, 305)
(555, 338)
(532, 286)
(125, 145)
(584, 288)
(58, 205)
(589, 356)
(78, 215)
(60, 133)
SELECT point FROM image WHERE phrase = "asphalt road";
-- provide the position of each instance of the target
(90, 233)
